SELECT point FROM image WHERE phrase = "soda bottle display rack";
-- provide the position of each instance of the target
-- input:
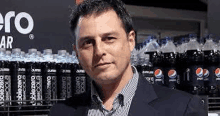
(213, 105)
(63, 67)
(31, 83)
(23, 110)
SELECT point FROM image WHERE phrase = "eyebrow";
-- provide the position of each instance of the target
(84, 38)
(110, 33)
(102, 35)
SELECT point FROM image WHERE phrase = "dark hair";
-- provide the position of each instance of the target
(89, 7)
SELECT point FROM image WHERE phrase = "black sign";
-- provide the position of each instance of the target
(36, 24)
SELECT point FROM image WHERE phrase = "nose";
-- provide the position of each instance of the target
(99, 49)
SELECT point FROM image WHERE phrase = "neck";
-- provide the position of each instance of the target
(110, 91)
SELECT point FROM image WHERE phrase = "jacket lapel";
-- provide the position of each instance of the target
(143, 96)
(140, 104)
(81, 111)
(80, 104)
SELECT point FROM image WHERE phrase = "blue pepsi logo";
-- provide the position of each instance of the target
(199, 72)
(217, 72)
(158, 73)
(172, 73)
(205, 73)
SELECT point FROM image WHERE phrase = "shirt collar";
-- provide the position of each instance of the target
(124, 96)
(129, 90)
(94, 94)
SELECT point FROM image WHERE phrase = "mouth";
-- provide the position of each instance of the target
(101, 64)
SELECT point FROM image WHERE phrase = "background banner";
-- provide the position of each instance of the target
(40, 24)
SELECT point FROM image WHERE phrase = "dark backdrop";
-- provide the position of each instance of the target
(50, 24)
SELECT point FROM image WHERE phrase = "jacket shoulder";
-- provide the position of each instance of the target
(70, 107)
(162, 92)
(63, 108)
(179, 102)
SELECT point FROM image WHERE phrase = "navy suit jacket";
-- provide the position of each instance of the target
(149, 100)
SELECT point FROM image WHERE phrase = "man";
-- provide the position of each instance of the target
(104, 38)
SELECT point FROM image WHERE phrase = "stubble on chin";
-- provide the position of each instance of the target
(106, 79)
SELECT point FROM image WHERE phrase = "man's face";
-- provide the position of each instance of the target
(103, 47)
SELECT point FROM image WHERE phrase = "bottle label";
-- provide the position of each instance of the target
(194, 75)
(51, 87)
(147, 72)
(69, 87)
(158, 73)
(199, 73)
(36, 87)
(178, 79)
(206, 74)
(36, 70)
(5, 86)
(54, 87)
(19, 93)
(66, 71)
(217, 73)
(188, 74)
(33, 91)
(80, 71)
(66, 84)
(8, 88)
(21, 69)
(4, 69)
(63, 93)
(151, 72)
(24, 87)
(150, 79)
(172, 74)
(51, 70)
(172, 80)
(22, 84)
(39, 89)
(48, 94)
(80, 84)
(2, 90)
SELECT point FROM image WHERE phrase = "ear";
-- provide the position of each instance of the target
(131, 39)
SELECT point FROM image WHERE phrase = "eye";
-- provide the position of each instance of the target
(87, 43)
(110, 39)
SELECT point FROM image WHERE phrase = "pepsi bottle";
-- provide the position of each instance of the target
(181, 63)
(171, 75)
(153, 50)
(81, 81)
(49, 78)
(61, 74)
(68, 75)
(7, 77)
(147, 68)
(5, 80)
(34, 79)
(210, 71)
(18, 78)
(194, 70)
(81, 84)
